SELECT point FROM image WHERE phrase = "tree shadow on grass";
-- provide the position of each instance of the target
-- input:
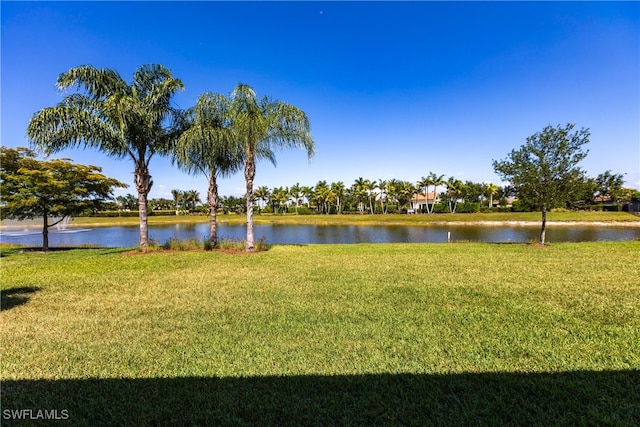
(491, 399)
(14, 297)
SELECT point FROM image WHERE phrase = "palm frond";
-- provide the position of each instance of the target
(97, 82)
(57, 128)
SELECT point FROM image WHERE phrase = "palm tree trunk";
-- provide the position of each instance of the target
(543, 229)
(143, 184)
(212, 194)
(249, 174)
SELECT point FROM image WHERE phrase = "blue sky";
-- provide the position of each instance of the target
(393, 90)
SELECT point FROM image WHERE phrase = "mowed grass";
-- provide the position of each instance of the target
(415, 334)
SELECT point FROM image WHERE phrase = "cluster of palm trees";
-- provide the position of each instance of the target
(185, 201)
(371, 196)
(220, 135)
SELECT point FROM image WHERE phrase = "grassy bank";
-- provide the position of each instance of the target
(619, 218)
(415, 334)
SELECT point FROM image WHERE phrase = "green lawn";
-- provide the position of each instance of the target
(409, 334)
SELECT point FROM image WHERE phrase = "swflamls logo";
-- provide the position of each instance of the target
(35, 414)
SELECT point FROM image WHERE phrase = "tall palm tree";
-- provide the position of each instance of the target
(260, 126)
(492, 190)
(279, 198)
(177, 199)
(122, 120)
(370, 187)
(454, 190)
(262, 193)
(423, 184)
(207, 147)
(322, 195)
(191, 200)
(307, 193)
(296, 193)
(359, 189)
(383, 186)
(403, 193)
(338, 189)
(436, 181)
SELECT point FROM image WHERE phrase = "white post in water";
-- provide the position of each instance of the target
(448, 237)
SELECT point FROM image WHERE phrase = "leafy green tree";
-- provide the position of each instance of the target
(122, 120)
(128, 202)
(609, 185)
(56, 188)
(544, 170)
(207, 147)
(261, 126)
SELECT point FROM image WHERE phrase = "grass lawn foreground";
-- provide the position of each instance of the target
(367, 334)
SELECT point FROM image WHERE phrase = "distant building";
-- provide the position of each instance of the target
(419, 201)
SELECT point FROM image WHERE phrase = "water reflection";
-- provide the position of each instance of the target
(325, 234)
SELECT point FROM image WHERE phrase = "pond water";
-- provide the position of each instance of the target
(325, 234)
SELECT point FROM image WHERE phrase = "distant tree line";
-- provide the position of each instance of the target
(432, 194)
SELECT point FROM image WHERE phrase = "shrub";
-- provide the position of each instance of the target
(468, 207)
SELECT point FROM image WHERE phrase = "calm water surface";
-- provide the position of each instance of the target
(324, 234)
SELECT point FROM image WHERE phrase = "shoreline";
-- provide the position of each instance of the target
(496, 223)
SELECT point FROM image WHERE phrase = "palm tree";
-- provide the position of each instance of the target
(207, 147)
(260, 126)
(491, 189)
(262, 193)
(307, 193)
(403, 192)
(383, 186)
(296, 193)
(338, 189)
(321, 195)
(423, 184)
(191, 200)
(436, 181)
(370, 187)
(122, 120)
(279, 198)
(454, 188)
(359, 189)
(177, 199)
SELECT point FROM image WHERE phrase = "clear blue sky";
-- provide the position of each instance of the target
(393, 90)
